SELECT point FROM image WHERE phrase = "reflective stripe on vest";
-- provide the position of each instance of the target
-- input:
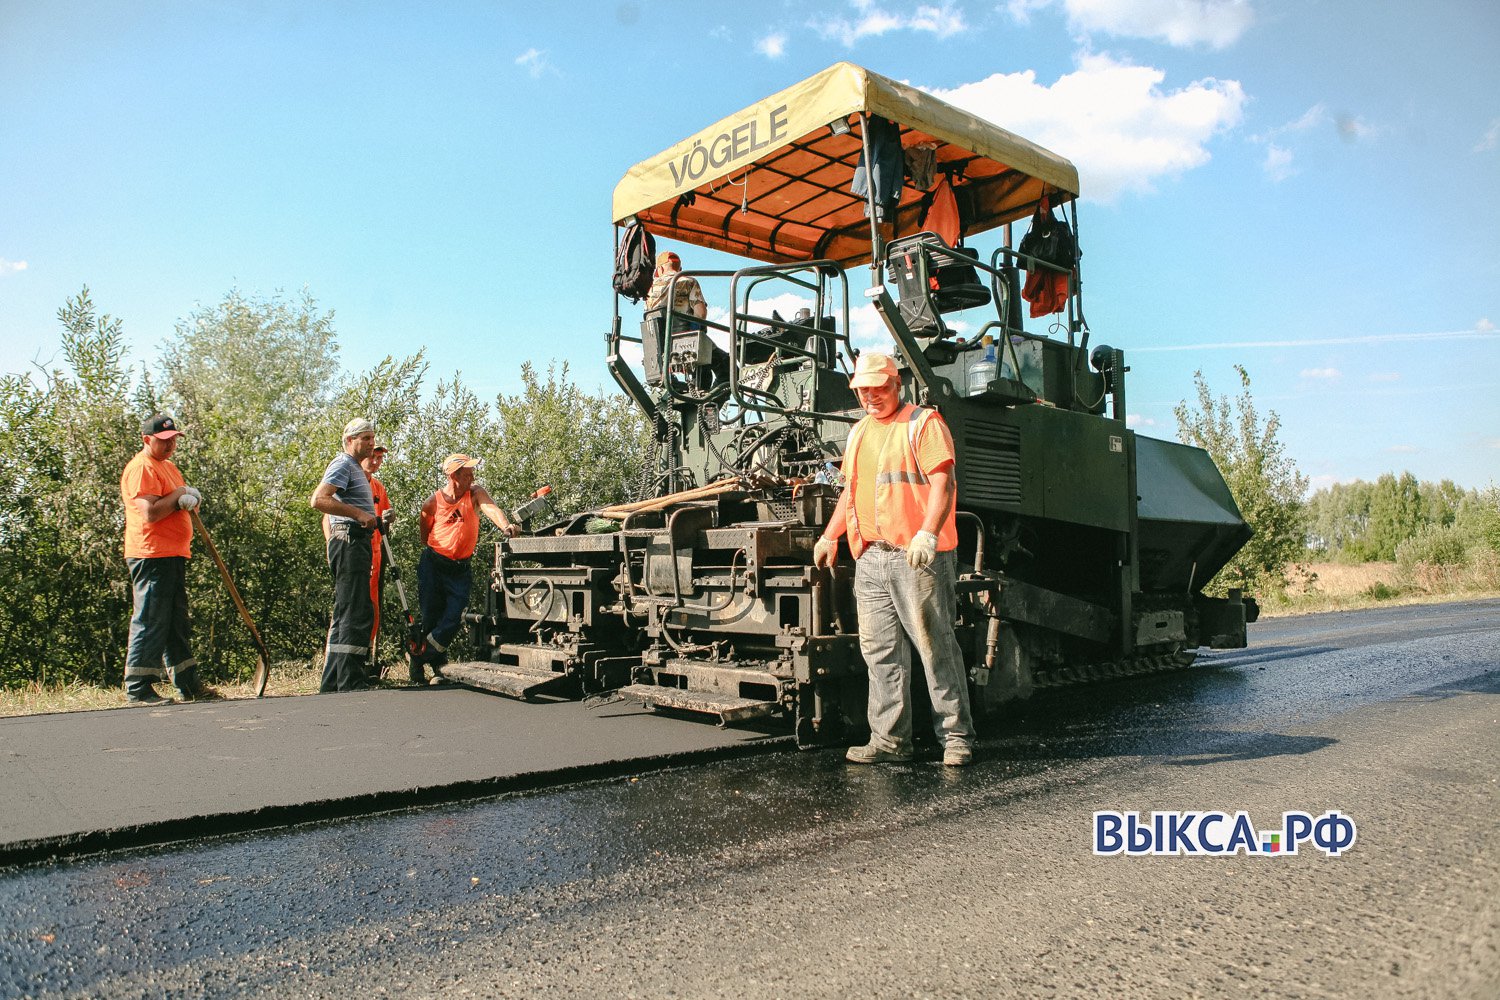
(900, 487)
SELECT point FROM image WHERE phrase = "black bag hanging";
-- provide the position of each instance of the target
(1050, 240)
(635, 262)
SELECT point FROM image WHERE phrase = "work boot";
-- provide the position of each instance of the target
(872, 754)
(958, 755)
(145, 694)
(415, 658)
(190, 688)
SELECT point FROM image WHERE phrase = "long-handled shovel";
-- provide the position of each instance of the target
(414, 638)
(263, 666)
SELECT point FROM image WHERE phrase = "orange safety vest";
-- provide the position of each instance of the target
(455, 526)
(901, 487)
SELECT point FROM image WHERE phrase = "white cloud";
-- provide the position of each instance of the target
(1369, 338)
(534, 61)
(1491, 138)
(1278, 165)
(1403, 449)
(1310, 119)
(1183, 23)
(1352, 129)
(1492, 442)
(1385, 376)
(1324, 373)
(11, 266)
(721, 33)
(1483, 326)
(1111, 118)
(773, 46)
(1138, 420)
(872, 21)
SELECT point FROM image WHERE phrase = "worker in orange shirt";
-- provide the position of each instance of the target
(897, 510)
(158, 541)
(450, 531)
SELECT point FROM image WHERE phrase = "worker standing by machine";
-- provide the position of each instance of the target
(450, 531)
(897, 510)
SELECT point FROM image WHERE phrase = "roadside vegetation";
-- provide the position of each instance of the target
(260, 388)
(1351, 545)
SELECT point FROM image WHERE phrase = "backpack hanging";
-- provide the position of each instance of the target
(1051, 242)
(635, 262)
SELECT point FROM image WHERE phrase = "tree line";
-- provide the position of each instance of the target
(257, 385)
(1432, 531)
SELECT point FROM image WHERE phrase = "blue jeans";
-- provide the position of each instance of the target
(443, 593)
(900, 607)
(160, 633)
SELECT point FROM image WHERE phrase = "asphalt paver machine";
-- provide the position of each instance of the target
(1084, 547)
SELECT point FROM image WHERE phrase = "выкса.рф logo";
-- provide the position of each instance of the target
(1208, 833)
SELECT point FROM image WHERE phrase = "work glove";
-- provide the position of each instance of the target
(922, 550)
(190, 499)
(826, 553)
(386, 518)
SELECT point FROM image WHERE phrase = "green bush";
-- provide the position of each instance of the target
(1435, 545)
(257, 386)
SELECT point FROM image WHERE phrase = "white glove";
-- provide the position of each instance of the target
(826, 553)
(922, 550)
(190, 499)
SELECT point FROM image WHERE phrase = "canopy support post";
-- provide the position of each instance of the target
(876, 263)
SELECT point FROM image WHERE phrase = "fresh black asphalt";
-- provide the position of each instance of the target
(84, 781)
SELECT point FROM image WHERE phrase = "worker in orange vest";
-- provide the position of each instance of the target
(897, 510)
(450, 531)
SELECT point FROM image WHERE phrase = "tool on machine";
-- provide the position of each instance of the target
(539, 504)
(263, 663)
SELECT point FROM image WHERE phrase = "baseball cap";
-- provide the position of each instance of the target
(873, 369)
(457, 461)
(161, 426)
(358, 426)
(379, 448)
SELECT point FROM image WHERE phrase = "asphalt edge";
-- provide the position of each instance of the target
(67, 847)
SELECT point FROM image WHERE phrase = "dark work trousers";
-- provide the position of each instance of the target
(443, 586)
(160, 634)
(348, 650)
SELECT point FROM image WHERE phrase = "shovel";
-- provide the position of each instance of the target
(414, 637)
(263, 665)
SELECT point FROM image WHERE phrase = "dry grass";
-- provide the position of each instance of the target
(1340, 587)
(287, 679)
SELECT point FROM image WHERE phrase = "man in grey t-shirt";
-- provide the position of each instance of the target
(345, 496)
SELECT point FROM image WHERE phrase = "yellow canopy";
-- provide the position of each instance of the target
(772, 182)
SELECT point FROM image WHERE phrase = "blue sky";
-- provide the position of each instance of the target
(1309, 189)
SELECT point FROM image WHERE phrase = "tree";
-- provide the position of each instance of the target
(257, 386)
(64, 591)
(1396, 514)
(1265, 482)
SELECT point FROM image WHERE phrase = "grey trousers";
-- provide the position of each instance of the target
(348, 649)
(901, 607)
(159, 629)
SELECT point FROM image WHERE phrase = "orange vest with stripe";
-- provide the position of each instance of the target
(901, 487)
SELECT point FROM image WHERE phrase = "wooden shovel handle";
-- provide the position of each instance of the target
(263, 668)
